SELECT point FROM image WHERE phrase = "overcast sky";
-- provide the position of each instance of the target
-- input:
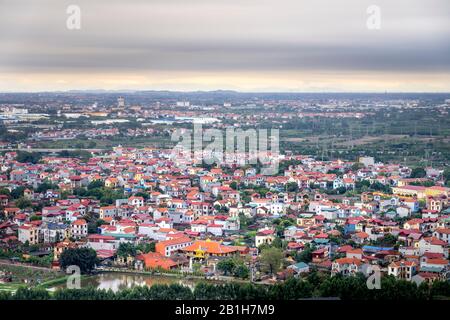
(247, 45)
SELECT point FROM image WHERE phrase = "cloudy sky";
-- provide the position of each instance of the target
(246, 45)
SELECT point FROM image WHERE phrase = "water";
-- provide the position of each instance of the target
(119, 281)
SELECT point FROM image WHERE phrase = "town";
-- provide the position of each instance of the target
(142, 210)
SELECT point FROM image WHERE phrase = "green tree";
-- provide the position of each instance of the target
(23, 203)
(271, 259)
(226, 265)
(418, 173)
(28, 157)
(292, 187)
(241, 271)
(95, 184)
(304, 256)
(84, 258)
(43, 187)
(126, 249)
(18, 192)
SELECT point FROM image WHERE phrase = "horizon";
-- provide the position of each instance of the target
(223, 90)
(291, 46)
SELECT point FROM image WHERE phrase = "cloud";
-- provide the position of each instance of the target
(222, 36)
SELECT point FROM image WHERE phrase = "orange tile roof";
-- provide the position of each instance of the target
(211, 247)
(349, 261)
(437, 261)
(156, 260)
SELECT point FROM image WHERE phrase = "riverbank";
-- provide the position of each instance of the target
(20, 275)
(183, 275)
(29, 276)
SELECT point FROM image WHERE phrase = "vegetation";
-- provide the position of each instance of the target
(28, 157)
(235, 267)
(271, 259)
(346, 288)
(84, 258)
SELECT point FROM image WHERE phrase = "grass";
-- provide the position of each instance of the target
(33, 277)
(10, 287)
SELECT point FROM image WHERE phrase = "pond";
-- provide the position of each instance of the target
(117, 281)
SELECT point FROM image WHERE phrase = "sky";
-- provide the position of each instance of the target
(244, 45)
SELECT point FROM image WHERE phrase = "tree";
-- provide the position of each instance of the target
(440, 288)
(126, 249)
(24, 293)
(304, 256)
(271, 259)
(418, 173)
(84, 258)
(144, 195)
(5, 191)
(43, 187)
(146, 247)
(28, 157)
(446, 176)
(292, 187)
(226, 265)
(387, 240)
(95, 184)
(17, 192)
(23, 203)
(241, 271)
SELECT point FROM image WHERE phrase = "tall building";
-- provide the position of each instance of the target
(183, 104)
(120, 102)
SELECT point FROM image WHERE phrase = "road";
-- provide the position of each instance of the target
(18, 264)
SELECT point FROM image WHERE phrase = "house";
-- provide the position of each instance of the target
(207, 248)
(433, 245)
(60, 247)
(108, 212)
(215, 229)
(320, 255)
(346, 266)
(442, 234)
(28, 233)
(136, 201)
(354, 253)
(168, 247)
(79, 229)
(155, 260)
(413, 224)
(402, 269)
(102, 242)
(54, 232)
(264, 236)
(360, 237)
(4, 200)
(111, 182)
(75, 211)
(403, 211)
(299, 268)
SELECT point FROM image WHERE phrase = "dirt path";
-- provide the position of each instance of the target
(18, 264)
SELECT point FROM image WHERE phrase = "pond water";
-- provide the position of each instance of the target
(119, 281)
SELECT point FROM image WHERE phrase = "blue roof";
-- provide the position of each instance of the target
(373, 248)
(54, 226)
(301, 265)
(431, 269)
(321, 240)
(120, 235)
